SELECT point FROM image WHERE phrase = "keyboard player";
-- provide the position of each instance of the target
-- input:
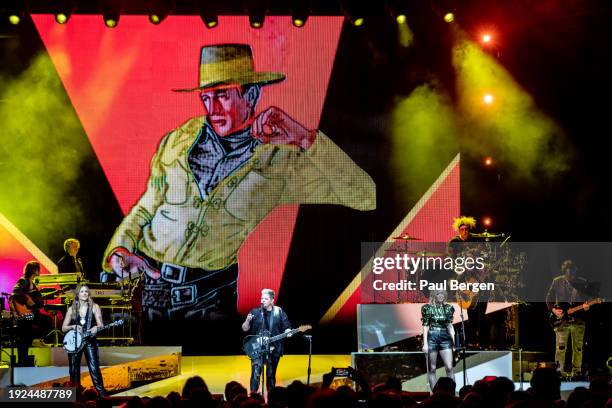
(71, 262)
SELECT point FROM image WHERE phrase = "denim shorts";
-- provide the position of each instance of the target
(438, 338)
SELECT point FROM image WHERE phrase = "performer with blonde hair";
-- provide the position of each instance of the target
(438, 334)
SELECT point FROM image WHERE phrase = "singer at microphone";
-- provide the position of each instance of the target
(70, 262)
(266, 321)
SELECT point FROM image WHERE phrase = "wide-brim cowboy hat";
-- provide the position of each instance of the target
(230, 64)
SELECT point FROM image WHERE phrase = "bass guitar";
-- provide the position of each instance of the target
(74, 341)
(255, 345)
(569, 311)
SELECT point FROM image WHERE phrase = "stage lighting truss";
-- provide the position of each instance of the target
(12, 11)
(208, 14)
(256, 10)
(63, 11)
(300, 10)
(111, 12)
(160, 10)
(445, 9)
(354, 12)
(398, 10)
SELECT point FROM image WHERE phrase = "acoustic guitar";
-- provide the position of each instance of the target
(467, 298)
(33, 301)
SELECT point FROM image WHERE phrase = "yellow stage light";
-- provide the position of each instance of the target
(61, 18)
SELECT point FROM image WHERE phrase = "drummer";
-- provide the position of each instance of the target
(475, 328)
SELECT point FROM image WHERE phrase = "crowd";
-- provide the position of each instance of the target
(490, 392)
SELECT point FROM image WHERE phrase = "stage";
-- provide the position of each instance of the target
(153, 371)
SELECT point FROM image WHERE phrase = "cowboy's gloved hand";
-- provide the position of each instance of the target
(276, 127)
(128, 265)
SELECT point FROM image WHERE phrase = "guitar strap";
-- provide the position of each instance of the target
(274, 316)
(88, 319)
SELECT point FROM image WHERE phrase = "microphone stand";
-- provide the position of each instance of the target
(463, 344)
(13, 358)
(13, 334)
(264, 353)
(309, 338)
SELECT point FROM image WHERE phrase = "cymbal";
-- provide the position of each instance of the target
(427, 253)
(407, 237)
(487, 234)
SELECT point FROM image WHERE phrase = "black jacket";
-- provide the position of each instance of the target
(277, 323)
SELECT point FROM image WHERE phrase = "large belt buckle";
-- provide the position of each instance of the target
(173, 273)
(183, 295)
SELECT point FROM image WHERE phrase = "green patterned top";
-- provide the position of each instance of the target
(437, 316)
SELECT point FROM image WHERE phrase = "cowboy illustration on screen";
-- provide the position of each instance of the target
(213, 179)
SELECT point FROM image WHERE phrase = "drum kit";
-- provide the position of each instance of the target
(502, 265)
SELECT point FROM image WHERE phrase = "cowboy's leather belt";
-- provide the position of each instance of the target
(180, 287)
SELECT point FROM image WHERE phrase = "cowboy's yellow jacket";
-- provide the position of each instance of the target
(173, 223)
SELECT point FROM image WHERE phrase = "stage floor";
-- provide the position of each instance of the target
(166, 370)
(219, 370)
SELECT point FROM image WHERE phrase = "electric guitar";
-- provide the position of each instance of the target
(568, 312)
(255, 345)
(75, 341)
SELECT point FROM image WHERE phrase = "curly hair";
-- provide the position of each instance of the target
(463, 220)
